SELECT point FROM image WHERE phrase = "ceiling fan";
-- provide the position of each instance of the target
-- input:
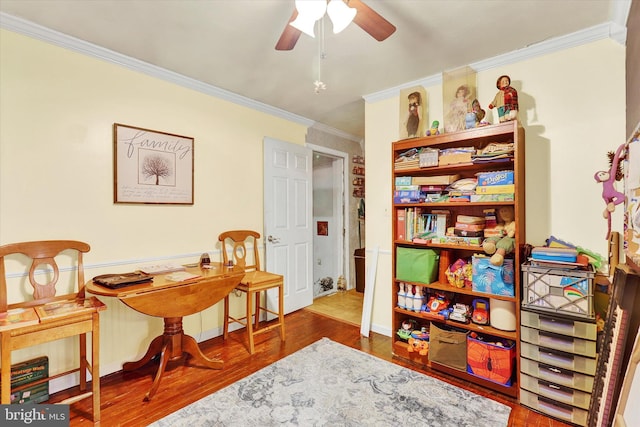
(366, 18)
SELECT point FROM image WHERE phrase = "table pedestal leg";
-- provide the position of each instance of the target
(154, 348)
(171, 345)
(189, 345)
(164, 358)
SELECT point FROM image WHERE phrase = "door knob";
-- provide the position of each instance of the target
(273, 239)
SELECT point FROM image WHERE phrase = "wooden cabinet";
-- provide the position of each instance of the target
(456, 145)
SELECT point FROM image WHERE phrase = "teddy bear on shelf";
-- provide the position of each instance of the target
(419, 346)
(504, 242)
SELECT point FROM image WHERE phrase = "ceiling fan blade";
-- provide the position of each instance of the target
(290, 35)
(371, 21)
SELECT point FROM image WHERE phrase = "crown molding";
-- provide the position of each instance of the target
(612, 30)
(336, 132)
(27, 28)
(619, 13)
(615, 30)
(433, 80)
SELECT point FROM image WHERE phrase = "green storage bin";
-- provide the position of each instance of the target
(417, 265)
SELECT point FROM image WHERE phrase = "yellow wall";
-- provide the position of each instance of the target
(572, 106)
(56, 174)
(56, 179)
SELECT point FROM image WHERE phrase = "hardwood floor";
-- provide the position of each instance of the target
(123, 393)
(341, 305)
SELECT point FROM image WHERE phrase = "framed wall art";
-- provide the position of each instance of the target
(323, 228)
(151, 167)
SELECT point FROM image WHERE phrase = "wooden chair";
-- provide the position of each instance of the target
(48, 325)
(254, 282)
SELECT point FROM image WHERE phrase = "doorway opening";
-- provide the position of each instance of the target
(335, 294)
(328, 224)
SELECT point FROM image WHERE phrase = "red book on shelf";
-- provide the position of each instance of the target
(401, 224)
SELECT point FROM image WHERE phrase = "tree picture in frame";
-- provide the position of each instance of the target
(413, 112)
(152, 167)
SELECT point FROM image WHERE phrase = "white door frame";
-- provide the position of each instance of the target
(345, 202)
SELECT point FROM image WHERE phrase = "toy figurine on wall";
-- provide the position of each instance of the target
(610, 195)
(506, 100)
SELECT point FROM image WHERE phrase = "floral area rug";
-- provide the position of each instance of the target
(329, 384)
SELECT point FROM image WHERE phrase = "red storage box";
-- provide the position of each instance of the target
(489, 360)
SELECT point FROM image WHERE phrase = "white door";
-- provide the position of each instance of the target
(287, 221)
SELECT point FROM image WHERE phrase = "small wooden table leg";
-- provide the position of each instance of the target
(171, 345)
(155, 348)
(190, 346)
(164, 358)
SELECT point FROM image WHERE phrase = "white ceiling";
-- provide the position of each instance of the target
(229, 44)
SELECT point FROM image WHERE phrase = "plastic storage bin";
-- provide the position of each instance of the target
(417, 265)
(491, 361)
(558, 290)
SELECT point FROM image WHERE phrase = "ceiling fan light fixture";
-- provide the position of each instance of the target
(305, 25)
(341, 15)
(309, 11)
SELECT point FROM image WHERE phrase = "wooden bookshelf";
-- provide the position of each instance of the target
(479, 138)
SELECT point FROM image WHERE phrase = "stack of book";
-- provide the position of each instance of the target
(467, 231)
(495, 186)
(432, 192)
(491, 228)
(469, 226)
(419, 189)
(462, 190)
(494, 152)
(407, 160)
(407, 194)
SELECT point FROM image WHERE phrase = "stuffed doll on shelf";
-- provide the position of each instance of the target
(504, 242)
(506, 100)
